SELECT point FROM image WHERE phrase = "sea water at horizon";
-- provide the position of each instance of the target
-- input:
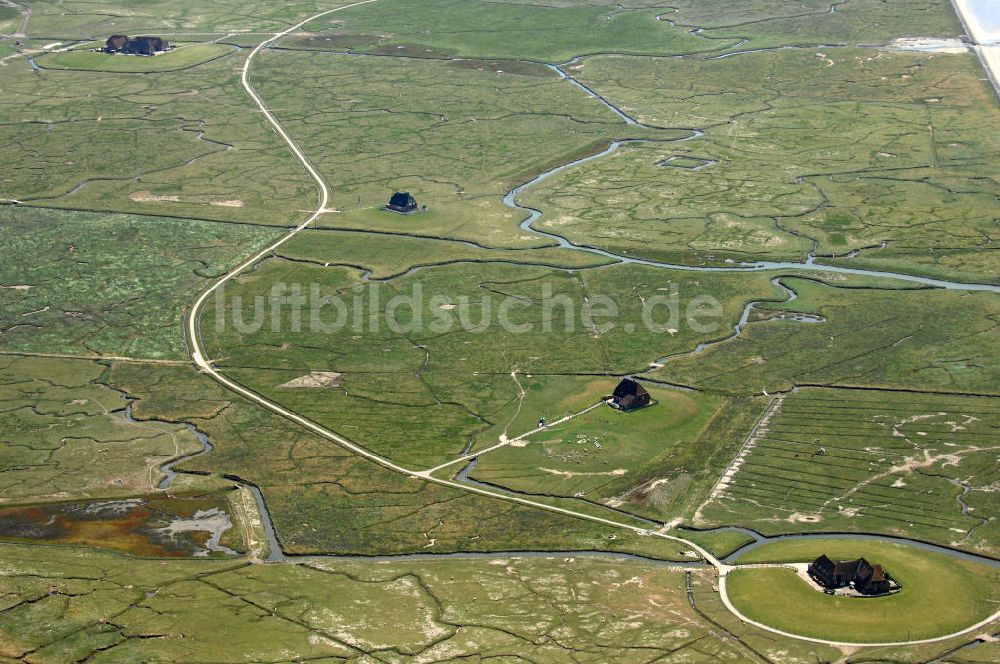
(988, 14)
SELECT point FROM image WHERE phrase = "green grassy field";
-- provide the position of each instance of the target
(324, 499)
(9, 17)
(518, 31)
(449, 378)
(183, 144)
(141, 186)
(477, 29)
(183, 57)
(456, 134)
(75, 468)
(79, 19)
(720, 544)
(940, 594)
(61, 604)
(836, 152)
(766, 24)
(65, 435)
(386, 256)
(913, 465)
(605, 455)
(881, 338)
(108, 284)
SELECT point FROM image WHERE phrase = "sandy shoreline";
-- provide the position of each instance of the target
(984, 41)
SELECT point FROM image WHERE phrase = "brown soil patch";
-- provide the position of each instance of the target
(150, 197)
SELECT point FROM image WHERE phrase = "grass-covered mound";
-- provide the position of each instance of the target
(179, 58)
(941, 594)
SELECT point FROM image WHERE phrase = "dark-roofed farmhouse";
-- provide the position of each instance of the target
(402, 202)
(630, 395)
(115, 43)
(137, 46)
(861, 575)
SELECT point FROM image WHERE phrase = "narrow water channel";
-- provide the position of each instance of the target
(809, 265)
(276, 554)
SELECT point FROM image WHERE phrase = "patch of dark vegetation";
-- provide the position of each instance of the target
(158, 526)
(414, 51)
(503, 67)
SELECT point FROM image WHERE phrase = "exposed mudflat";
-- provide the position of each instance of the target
(928, 45)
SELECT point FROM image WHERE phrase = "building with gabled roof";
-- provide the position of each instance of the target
(402, 202)
(630, 395)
